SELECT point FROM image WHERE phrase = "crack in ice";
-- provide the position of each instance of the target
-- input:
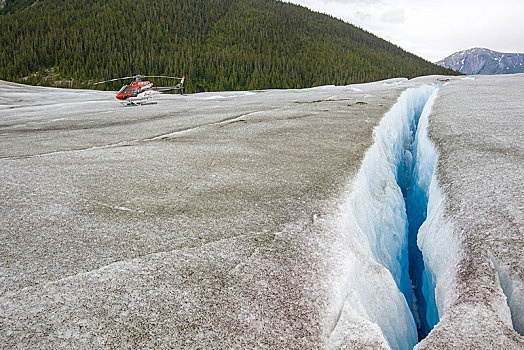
(387, 192)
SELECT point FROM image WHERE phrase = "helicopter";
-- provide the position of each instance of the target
(141, 92)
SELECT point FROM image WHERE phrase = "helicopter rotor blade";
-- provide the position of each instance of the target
(160, 76)
(106, 81)
(137, 78)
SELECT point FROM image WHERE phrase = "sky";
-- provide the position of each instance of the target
(434, 29)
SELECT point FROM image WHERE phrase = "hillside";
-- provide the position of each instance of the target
(484, 61)
(219, 44)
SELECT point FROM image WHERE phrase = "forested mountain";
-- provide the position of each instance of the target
(218, 44)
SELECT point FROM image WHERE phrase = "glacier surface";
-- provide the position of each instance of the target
(264, 219)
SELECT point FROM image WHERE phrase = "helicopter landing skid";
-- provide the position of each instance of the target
(137, 103)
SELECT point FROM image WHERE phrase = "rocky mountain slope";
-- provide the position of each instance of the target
(484, 61)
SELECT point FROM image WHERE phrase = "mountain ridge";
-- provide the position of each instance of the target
(484, 61)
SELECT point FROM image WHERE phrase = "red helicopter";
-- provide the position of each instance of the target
(141, 92)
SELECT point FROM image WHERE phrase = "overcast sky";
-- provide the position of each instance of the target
(434, 29)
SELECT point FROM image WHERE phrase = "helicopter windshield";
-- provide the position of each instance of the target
(124, 90)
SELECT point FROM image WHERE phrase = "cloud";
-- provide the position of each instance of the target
(434, 29)
(394, 15)
(363, 17)
(358, 1)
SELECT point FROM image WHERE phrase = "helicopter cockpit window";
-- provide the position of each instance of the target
(134, 90)
(124, 90)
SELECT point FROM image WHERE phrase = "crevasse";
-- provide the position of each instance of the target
(417, 196)
(389, 205)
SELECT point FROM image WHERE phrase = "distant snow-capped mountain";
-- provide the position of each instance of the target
(484, 61)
